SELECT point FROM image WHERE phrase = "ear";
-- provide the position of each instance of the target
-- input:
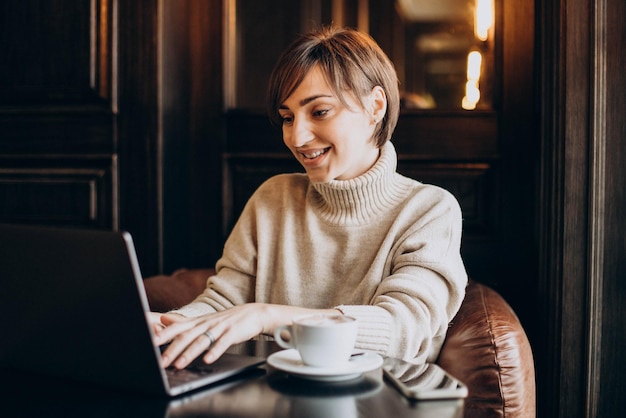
(378, 103)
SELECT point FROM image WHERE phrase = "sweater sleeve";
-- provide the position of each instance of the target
(234, 281)
(413, 305)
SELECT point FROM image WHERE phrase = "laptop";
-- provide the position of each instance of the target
(75, 307)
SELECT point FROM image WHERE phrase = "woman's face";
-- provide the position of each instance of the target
(330, 140)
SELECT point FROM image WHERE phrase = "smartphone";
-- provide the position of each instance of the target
(422, 381)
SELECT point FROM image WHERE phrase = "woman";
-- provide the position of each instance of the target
(350, 236)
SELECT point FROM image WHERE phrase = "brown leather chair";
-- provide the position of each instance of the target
(486, 346)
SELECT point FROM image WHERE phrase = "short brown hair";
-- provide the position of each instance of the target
(350, 60)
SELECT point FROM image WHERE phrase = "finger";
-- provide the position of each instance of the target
(216, 350)
(168, 334)
(171, 318)
(225, 337)
(186, 347)
(193, 350)
(173, 326)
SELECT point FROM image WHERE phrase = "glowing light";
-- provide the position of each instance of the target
(472, 91)
(474, 62)
(483, 19)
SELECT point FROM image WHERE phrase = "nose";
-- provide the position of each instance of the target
(299, 133)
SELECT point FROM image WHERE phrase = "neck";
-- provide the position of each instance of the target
(359, 200)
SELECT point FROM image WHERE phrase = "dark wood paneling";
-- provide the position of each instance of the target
(57, 124)
(205, 131)
(250, 132)
(515, 256)
(190, 108)
(471, 183)
(57, 191)
(609, 388)
(138, 80)
(583, 204)
(448, 136)
(45, 51)
(170, 130)
(138, 143)
(72, 130)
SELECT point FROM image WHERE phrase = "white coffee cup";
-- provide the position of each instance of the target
(321, 340)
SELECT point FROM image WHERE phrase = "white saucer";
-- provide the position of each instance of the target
(289, 361)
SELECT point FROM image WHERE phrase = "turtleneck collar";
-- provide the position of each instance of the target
(359, 200)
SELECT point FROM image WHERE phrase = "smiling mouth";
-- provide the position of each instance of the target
(314, 154)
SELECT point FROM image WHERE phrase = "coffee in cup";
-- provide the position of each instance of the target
(321, 340)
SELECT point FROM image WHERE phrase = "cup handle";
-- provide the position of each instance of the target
(279, 338)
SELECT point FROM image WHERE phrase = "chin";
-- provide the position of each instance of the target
(316, 178)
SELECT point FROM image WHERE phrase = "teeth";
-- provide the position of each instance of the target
(314, 154)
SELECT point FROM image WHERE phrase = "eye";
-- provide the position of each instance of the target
(320, 113)
(286, 119)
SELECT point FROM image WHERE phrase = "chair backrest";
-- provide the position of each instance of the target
(487, 348)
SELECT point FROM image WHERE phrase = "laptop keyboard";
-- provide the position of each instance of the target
(191, 373)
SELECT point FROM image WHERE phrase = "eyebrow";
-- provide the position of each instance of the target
(306, 100)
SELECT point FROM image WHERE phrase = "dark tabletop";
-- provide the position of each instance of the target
(259, 393)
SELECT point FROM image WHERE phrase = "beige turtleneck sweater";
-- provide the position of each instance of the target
(380, 247)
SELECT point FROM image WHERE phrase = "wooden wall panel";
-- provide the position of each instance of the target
(581, 226)
(471, 183)
(60, 194)
(46, 45)
(84, 130)
(57, 122)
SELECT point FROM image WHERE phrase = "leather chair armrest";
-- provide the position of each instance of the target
(170, 292)
(487, 348)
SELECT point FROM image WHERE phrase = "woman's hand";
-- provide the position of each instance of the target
(158, 320)
(216, 332)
